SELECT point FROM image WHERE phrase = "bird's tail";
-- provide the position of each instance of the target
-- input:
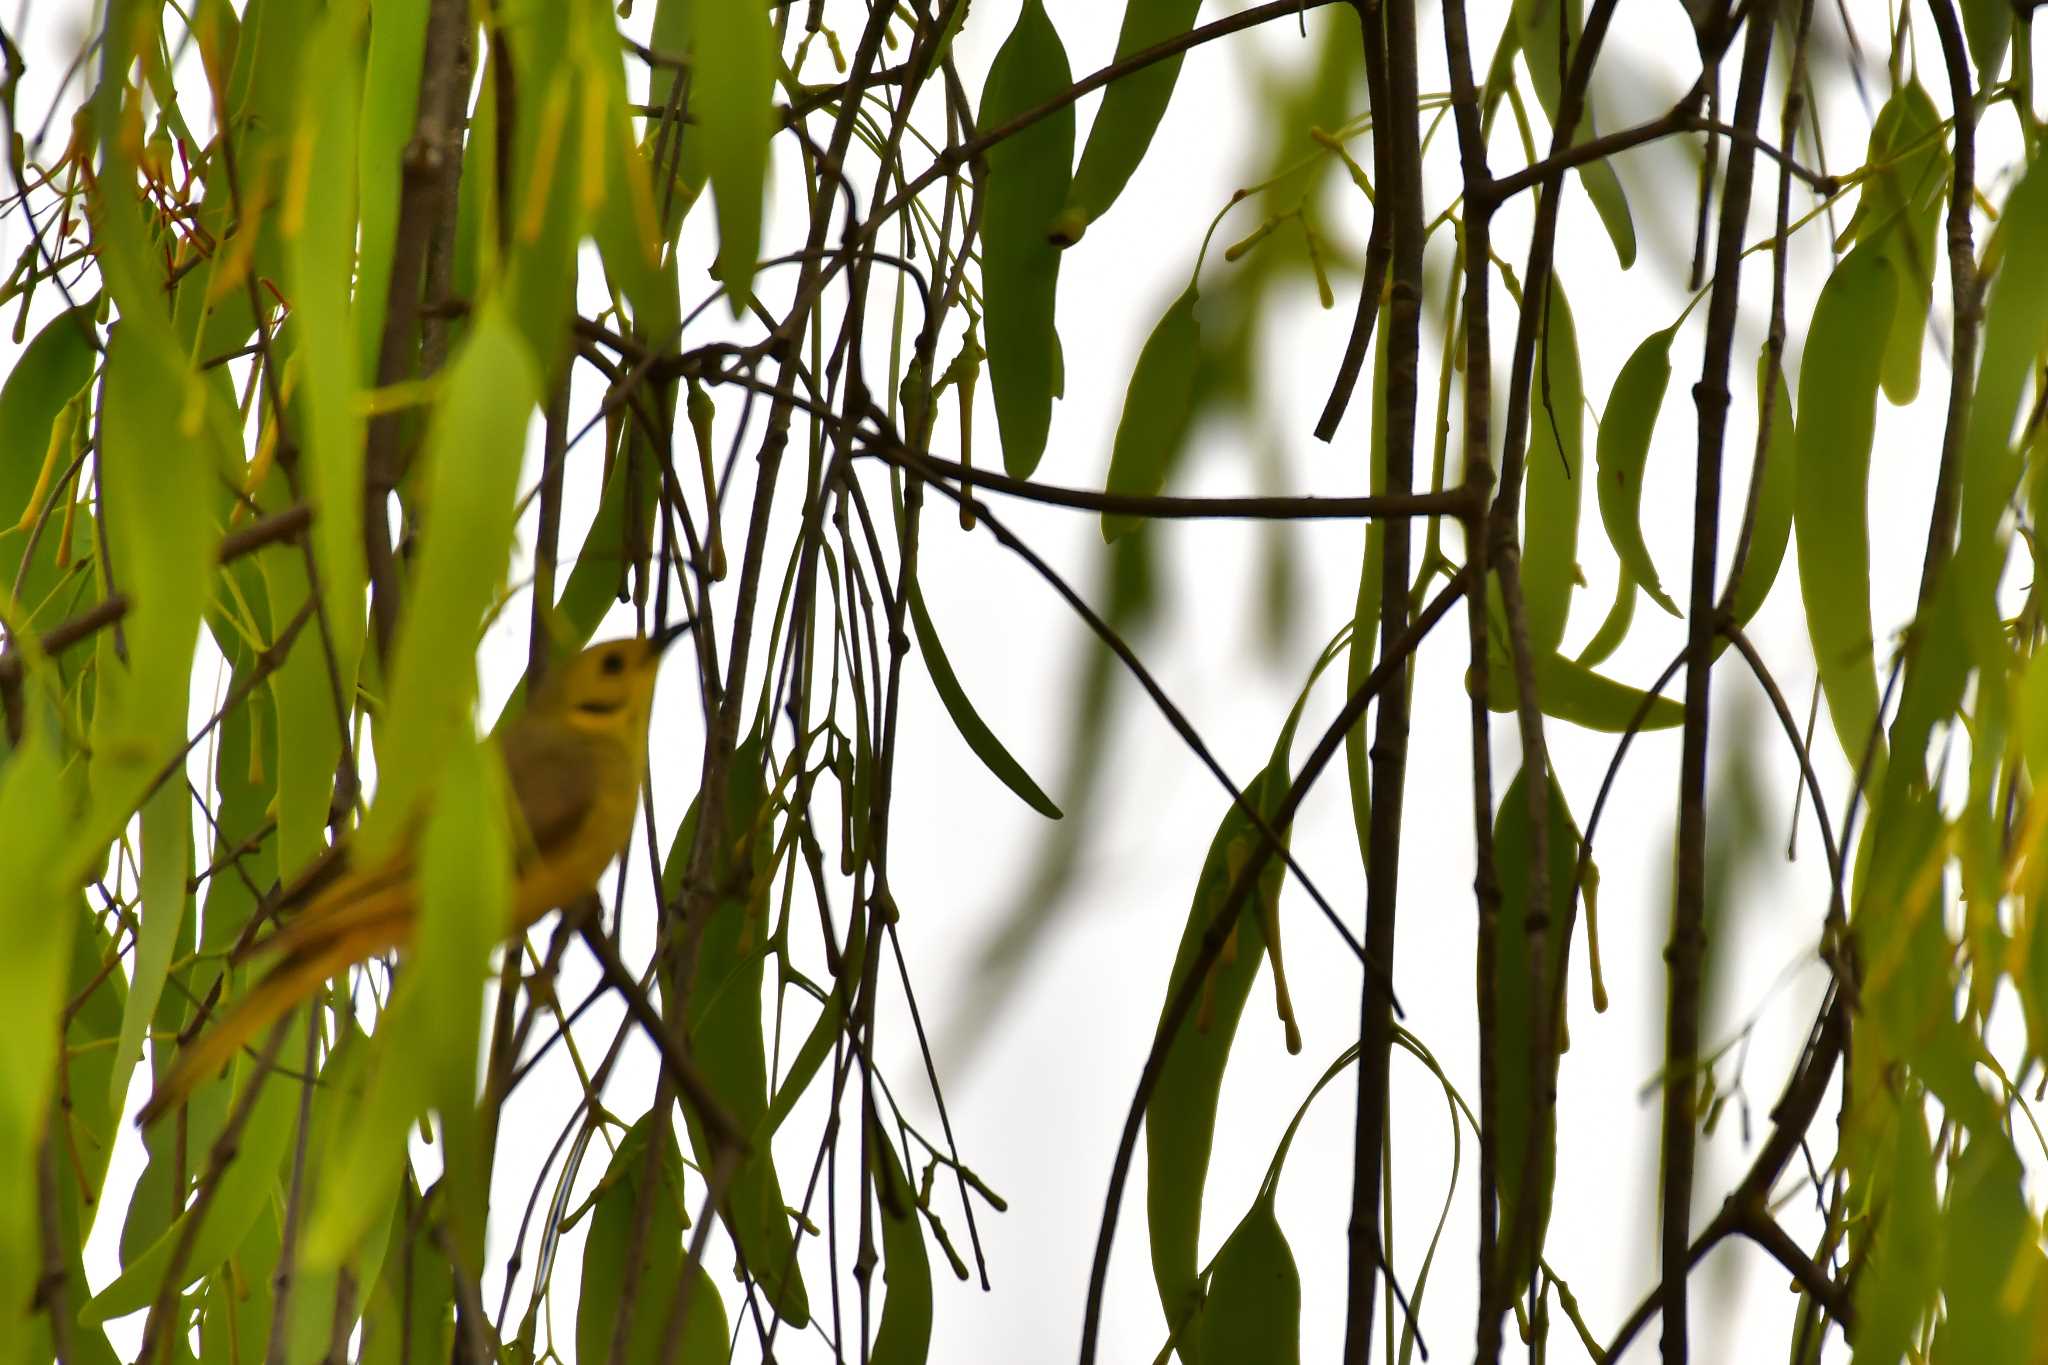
(323, 947)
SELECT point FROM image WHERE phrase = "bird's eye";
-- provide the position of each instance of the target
(614, 663)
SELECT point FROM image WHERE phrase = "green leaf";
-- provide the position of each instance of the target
(45, 375)
(1899, 212)
(1557, 477)
(630, 1192)
(1623, 448)
(1129, 116)
(966, 719)
(732, 84)
(162, 532)
(1547, 31)
(1570, 691)
(1026, 188)
(1155, 409)
(38, 913)
(1180, 1121)
(397, 48)
(1831, 494)
(246, 1187)
(1253, 1310)
(1614, 626)
(1773, 525)
(723, 1014)
(904, 1334)
(1896, 1286)
(474, 443)
(1987, 24)
(1365, 611)
(319, 225)
(1986, 1230)
(1527, 1083)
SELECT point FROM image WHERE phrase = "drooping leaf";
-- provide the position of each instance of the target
(1027, 185)
(732, 82)
(903, 1337)
(1831, 492)
(1556, 477)
(1624, 446)
(966, 719)
(1773, 527)
(1526, 1083)
(1253, 1309)
(1130, 114)
(634, 1189)
(1547, 32)
(1148, 434)
(723, 1007)
(1898, 213)
(1180, 1121)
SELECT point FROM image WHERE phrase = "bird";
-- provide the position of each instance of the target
(575, 759)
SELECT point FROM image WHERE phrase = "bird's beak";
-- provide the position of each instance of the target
(668, 635)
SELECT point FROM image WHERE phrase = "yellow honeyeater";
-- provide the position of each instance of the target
(575, 759)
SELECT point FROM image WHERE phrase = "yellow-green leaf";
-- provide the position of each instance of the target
(1831, 493)
(1547, 31)
(732, 83)
(904, 1334)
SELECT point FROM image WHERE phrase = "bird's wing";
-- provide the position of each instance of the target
(554, 785)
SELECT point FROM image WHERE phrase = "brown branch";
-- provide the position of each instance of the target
(1397, 156)
(1686, 951)
(1395, 506)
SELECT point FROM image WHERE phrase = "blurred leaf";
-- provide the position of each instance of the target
(320, 234)
(1988, 26)
(410, 1308)
(1253, 1310)
(732, 82)
(1837, 413)
(630, 1210)
(396, 50)
(1026, 187)
(35, 958)
(1129, 116)
(1547, 31)
(966, 719)
(1526, 1105)
(1624, 445)
(1149, 433)
(1896, 1286)
(471, 473)
(1557, 477)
